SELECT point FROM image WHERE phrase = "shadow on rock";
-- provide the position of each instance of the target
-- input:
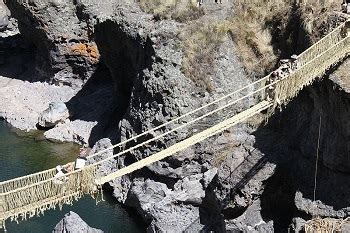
(17, 59)
(290, 139)
(96, 103)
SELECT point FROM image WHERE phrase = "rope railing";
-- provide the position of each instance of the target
(326, 42)
(288, 88)
(18, 201)
(43, 175)
(187, 123)
(25, 202)
(33, 194)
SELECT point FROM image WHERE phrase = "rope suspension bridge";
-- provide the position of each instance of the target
(31, 195)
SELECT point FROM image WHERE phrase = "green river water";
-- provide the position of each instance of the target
(25, 154)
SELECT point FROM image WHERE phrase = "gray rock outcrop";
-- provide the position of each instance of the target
(157, 204)
(68, 46)
(72, 223)
(250, 221)
(56, 113)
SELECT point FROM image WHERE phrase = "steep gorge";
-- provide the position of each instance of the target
(135, 82)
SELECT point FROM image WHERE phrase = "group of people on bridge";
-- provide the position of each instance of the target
(285, 67)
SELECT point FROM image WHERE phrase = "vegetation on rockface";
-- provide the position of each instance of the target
(179, 10)
(269, 30)
(319, 19)
(200, 41)
(263, 31)
(253, 39)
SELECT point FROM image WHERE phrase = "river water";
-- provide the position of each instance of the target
(28, 153)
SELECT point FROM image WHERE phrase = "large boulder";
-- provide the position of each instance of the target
(155, 201)
(57, 112)
(72, 223)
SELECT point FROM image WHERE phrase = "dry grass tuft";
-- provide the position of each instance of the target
(252, 36)
(262, 31)
(254, 22)
(317, 18)
(200, 41)
(179, 10)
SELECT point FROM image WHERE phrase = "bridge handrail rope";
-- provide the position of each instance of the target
(73, 184)
(323, 61)
(150, 140)
(297, 73)
(289, 88)
(24, 191)
(226, 124)
(327, 41)
(48, 187)
(29, 198)
(43, 175)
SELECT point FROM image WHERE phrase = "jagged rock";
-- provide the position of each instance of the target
(190, 190)
(163, 168)
(69, 46)
(103, 144)
(121, 185)
(208, 176)
(250, 221)
(109, 166)
(174, 218)
(241, 166)
(72, 223)
(144, 195)
(156, 203)
(56, 113)
(317, 208)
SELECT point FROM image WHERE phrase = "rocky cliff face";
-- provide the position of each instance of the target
(144, 61)
(126, 70)
(66, 52)
(328, 100)
(293, 143)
